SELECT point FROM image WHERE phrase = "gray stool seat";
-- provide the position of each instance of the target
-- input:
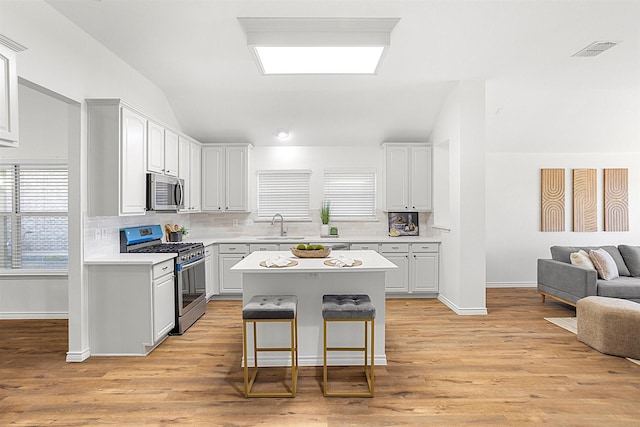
(350, 308)
(271, 307)
(347, 307)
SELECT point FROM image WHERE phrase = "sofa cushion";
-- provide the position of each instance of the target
(604, 263)
(631, 256)
(622, 287)
(581, 259)
(563, 253)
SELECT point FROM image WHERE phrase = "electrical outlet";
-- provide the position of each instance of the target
(248, 222)
(313, 276)
(235, 222)
(104, 233)
(98, 234)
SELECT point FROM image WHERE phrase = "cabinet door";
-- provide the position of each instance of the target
(397, 280)
(8, 98)
(209, 270)
(195, 193)
(420, 178)
(133, 186)
(397, 169)
(163, 306)
(236, 178)
(424, 274)
(213, 178)
(184, 169)
(155, 148)
(170, 153)
(230, 281)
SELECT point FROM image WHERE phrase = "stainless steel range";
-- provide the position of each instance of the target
(190, 290)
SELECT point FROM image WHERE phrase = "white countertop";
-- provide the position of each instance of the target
(316, 239)
(127, 258)
(371, 261)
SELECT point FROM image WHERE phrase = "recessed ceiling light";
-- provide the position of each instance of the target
(282, 134)
(318, 45)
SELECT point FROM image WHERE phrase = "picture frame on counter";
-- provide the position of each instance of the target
(403, 224)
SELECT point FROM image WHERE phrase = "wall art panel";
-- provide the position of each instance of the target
(616, 203)
(584, 200)
(552, 200)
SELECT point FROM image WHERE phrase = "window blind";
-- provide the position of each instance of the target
(351, 193)
(286, 192)
(33, 217)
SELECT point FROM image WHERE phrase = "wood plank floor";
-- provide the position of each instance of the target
(510, 367)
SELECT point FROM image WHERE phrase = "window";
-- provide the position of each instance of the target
(351, 193)
(33, 217)
(286, 192)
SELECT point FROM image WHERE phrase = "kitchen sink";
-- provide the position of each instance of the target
(280, 238)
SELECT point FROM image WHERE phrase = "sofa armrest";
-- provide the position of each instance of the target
(566, 281)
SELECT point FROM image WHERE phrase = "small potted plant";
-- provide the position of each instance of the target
(325, 213)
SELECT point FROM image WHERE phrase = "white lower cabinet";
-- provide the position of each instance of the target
(131, 307)
(397, 280)
(418, 267)
(230, 282)
(425, 263)
(209, 270)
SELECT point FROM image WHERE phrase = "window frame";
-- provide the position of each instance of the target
(16, 215)
(287, 186)
(372, 214)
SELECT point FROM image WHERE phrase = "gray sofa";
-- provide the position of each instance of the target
(559, 279)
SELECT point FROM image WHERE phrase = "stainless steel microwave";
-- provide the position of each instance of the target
(164, 193)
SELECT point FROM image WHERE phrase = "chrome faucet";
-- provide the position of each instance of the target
(273, 221)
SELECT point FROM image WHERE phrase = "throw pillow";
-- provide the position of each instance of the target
(604, 263)
(631, 255)
(581, 259)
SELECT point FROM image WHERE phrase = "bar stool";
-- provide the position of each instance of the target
(264, 309)
(350, 308)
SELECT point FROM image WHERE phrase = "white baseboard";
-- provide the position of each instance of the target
(511, 284)
(28, 315)
(74, 356)
(462, 311)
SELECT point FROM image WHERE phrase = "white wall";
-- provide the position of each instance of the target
(533, 125)
(44, 132)
(461, 126)
(64, 59)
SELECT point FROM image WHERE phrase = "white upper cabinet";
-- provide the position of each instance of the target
(117, 136)
(408, 177)
(224, 177)
(189, 170)
(162, 150)
(8, 97)
(170, 153)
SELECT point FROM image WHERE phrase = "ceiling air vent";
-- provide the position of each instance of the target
(595, 48)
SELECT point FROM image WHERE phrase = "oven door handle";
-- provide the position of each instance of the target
(191, 263)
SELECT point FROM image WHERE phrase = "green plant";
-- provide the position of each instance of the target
(325, 212)
(184, 231)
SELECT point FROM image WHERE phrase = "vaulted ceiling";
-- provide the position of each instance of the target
(196, 52)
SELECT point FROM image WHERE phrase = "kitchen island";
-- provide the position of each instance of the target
(309, 280)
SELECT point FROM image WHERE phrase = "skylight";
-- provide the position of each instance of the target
(318, 45)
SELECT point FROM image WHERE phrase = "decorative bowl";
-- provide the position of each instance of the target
(315, 253)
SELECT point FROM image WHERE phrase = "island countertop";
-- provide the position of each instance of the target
(371, 261)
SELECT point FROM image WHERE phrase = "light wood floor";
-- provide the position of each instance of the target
(508, 368)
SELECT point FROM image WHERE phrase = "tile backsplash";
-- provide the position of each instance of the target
(102, 234)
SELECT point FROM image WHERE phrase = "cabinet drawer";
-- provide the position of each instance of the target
(394, 247)
(208, 250)
(163, 268)
(229, 248)
(365, 247)
(424, 247)
(264, 247)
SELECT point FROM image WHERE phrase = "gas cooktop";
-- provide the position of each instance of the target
(167, 248)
